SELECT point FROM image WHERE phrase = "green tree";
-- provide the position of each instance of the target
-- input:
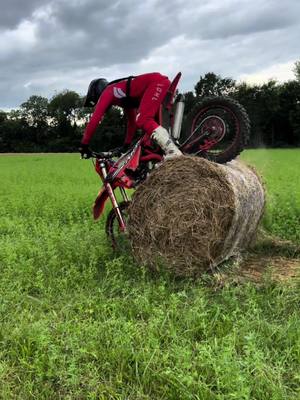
(3, 141)
(34, 113)
(3, 116)
(15, 133)
(247, 96)
(289, 111)
(214, 85)
(84, 113)
(262, 103)
(295, 123)
(296, 70)
(111, 132)
(190, 101)
(267, 107)
(65, 112)
(66, 106)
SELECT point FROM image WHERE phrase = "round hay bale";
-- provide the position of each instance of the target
(191, 214)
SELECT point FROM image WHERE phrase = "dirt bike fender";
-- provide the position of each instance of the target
(100, 203)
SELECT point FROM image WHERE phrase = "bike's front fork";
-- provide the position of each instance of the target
(115, 204)
(113, 198)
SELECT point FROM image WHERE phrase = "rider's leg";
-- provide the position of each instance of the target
(163, 139)
(149, 107)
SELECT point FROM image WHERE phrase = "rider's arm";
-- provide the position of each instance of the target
(131, 124)
(103, 104)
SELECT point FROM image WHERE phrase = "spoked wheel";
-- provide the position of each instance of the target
(217, 128)
(118, 238)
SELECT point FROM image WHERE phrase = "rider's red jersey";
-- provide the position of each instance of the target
(113, 95)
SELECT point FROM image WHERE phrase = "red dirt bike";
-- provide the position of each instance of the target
(217, 129)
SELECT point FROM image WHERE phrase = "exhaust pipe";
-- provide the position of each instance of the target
(180, 103)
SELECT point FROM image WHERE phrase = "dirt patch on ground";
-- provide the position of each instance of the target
(279, 268)
(270, 259)
(258, 268)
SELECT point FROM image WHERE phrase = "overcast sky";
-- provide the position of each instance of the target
(47, 46)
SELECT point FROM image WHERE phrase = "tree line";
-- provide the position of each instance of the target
(57, 124)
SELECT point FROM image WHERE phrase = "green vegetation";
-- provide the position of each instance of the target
(80, 323)
(56, 124)
(280, 170)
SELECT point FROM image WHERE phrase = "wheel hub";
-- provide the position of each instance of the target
(213, 127)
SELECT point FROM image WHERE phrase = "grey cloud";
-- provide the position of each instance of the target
(78, 38)
(241, 18)
(15, 11)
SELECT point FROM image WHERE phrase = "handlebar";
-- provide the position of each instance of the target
(104, 154)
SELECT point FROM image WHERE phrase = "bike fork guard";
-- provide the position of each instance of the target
(100, 203)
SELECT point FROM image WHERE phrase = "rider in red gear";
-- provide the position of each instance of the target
(140, 97)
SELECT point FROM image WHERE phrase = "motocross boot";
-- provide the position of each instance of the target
(163, 139)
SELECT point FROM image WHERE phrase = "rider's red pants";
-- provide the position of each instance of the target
(150, 102)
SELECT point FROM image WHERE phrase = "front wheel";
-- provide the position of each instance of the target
(117, 237)
(217, 128)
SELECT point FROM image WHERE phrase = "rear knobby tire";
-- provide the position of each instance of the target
(223, 110)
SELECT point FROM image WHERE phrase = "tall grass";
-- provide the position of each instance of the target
(78, 322)
(280, 170)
